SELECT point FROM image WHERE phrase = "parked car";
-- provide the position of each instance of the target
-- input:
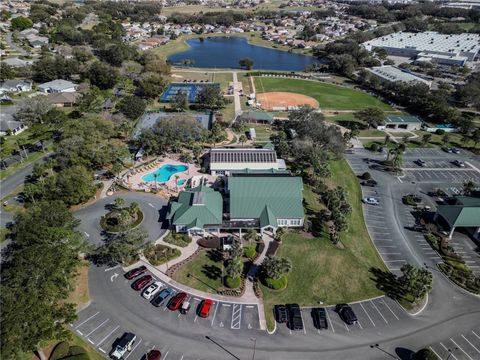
(185, 307)
(370, 201)
(370, 182)
(205, 307)
(140, 283)
(455, 150)
(447, 149)
(135, 272)
(154, 355)
(458, 163)
(421, 163)
(150, 291)
(281, 313)
(319, 316)
(177, 301)
(295, 321)
(162, 296)
(346, 313)
(123, 345)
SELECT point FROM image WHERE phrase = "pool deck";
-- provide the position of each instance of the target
(134, 179)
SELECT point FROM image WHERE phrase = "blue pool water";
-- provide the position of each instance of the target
(225, 52)
(180, 182)
(164, 173)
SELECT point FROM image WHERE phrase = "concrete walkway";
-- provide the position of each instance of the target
(236, 94)
(186, 251)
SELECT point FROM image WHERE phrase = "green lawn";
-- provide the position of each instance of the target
(321, 271)
(329, 96)
(201, 273)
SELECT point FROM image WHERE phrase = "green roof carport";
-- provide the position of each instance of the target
(266, 198)
(196, 207)
(460, 215)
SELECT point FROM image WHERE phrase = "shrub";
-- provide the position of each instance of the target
(210, 242)
(76, 350)
(232, 283)
(366, 176)
(249, 251)
(425, 354)
(260, 247)
(374, 147)
(279, 284)
(181, 240)
(440, 132)
(60, 351)
(160, 254)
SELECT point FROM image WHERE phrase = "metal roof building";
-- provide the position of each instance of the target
(226, 161)
(401, 122)
(393, 74)
(464, 213)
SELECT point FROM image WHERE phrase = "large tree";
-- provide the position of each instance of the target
(122, 248)
(132, 107)
(102, 75)
(211, 97)
(21, 23)
(180, 101)
(246, 63)
(416, 281)
(37, 278)
(370, 116)
(151, 85)
(33, 110)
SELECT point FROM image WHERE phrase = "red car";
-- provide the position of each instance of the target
(177, 301)
(139, 284)
(154, 355)
(136, 272)
(205, 307)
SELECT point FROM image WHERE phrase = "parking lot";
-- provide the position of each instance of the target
(461, 347)
(102, 331)
(374, 314)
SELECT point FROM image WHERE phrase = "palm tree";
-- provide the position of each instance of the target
(119, 202)
(469, 187)
(387, 139)
(446, 139)
(234, 268)
(426, 139)
(155, 176)
(397, 160)
(242, 139)
(275, 267)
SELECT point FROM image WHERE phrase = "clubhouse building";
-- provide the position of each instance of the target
(463, 213)
(260, 201)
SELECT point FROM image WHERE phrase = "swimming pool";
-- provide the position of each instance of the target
(180, 182)
(164, 173)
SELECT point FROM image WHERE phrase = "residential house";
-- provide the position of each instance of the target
(63, 99)
(57, 86)
(15, 86)
(9, 125)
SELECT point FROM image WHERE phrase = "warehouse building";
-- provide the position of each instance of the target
(448, 49)
(390, 73)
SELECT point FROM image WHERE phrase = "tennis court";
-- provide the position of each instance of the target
(191, 89)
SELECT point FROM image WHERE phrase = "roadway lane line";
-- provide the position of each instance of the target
(130, 353)
(458, 346)
(450, 352)
(91, 332)
(478, 351)
(375, 306)
(384, 303)
(215, 313)
(330, 321)
(106, 337)
(368, 315)
(91, 317)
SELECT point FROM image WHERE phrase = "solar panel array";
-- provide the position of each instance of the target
(243, 156)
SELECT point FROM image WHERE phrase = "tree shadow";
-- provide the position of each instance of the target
(387, 282)
(215, 255)
(404, 354)
(212, 272)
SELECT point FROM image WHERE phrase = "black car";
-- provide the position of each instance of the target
(319, 316)
(370, 182)
(281, 313)
(295, 321)
(346, 313)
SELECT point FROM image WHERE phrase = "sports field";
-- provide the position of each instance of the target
(329, 96)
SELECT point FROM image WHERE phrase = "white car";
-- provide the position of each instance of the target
(371, 201)
(152, 290)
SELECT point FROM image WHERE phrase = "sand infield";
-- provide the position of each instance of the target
(281, 101)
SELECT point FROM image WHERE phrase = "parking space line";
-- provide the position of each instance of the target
(79, 332)
(91, 332)
(388, 307)
(375, 306)
(449, 351)
(236, 316)
(102, 350)
(435, 352)
(478, 351)
(460, 348)
(106, 337)
(91, 317)
(474, 333)
(346, 327)
(130, 353)
(303, 322)
(227, 305)
(369, 318)
(215, 313)
(330, 321)
(165, 356)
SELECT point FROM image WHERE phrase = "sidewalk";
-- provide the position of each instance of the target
(186, 252)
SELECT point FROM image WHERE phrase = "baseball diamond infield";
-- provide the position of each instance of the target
(281, 101)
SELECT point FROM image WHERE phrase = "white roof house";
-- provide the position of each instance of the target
(58, 86)
(429, 42)
(392, 74)
(226, 161)
(15, 86)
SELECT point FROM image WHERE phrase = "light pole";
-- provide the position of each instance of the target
(377, 346)
(254, 347)
(450, 352)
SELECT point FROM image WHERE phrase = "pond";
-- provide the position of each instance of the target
(226, 52)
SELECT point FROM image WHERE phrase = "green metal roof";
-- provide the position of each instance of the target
(460, 215)
(267, 198)
(196, 207)
(257, 116)
(468, 201)
(402, 119)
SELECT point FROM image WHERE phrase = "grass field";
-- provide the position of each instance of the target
(321, 271)
(329, 96)
(202, 273)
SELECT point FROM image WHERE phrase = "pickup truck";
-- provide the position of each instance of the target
(123, 345)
